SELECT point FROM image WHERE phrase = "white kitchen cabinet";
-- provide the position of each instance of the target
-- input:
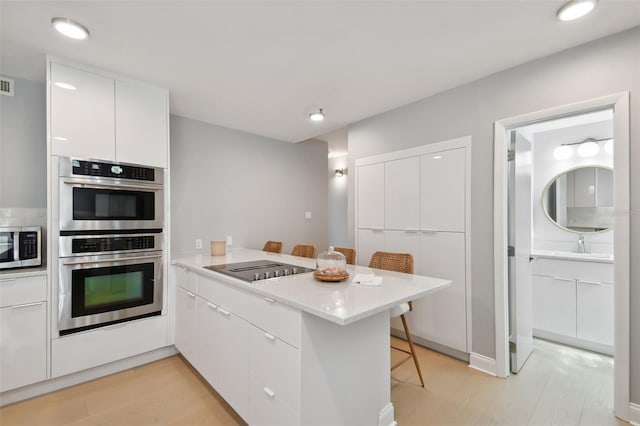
(442, 315)
(402, 194)
(443, 190)
(82, 116)
(369, 241)
(370, 196)
(186, 338)
(141, 124)
(554, 304)
(98, 116)
(23, 331)
(595, 311)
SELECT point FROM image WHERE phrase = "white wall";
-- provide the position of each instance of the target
(547, 235)
(599, 68)
(338, 212)
(226, 182)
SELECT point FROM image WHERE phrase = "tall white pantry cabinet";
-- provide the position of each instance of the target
(417, 201)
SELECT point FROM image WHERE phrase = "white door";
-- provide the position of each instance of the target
(520, 293)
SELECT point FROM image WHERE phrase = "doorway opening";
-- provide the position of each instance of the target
(560, 220)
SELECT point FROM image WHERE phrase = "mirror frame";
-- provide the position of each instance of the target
(552, 181)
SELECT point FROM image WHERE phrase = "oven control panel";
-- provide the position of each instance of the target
(118, 171)
(109, 244)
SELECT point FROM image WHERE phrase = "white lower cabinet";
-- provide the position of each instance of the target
(554, 305)
(595, 312)
(23, 331)
(186, 323)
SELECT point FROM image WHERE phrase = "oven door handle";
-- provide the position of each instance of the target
(119, 259)
(85, 184)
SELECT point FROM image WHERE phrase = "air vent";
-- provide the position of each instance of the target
(6, 86)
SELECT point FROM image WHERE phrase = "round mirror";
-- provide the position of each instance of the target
(581, 199)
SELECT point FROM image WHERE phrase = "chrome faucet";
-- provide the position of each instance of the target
(581, 248)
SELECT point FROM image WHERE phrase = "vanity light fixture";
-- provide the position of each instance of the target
(69, 28)
(341, 172)
(317, 115)
(574, 9)
(588, 148)
(65, 86)
(562, 152)
(608, 146)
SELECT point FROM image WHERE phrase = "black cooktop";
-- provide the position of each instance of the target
(258, 270)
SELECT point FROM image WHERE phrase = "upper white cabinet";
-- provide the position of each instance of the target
(82, 113)
(370, 189)
(402, 194)
(98, 116)
(442, 191)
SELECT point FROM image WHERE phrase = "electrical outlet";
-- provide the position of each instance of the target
(229, 240)
(307, 215)
(198, 243)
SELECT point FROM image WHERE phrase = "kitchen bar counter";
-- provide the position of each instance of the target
(342, 303)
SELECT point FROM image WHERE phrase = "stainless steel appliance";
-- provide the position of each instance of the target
(20, 247)
(97, 195)
(107, 279)
(258, 270)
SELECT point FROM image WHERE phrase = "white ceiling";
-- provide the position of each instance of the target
(261, 67)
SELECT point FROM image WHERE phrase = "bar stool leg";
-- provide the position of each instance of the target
(413, 352)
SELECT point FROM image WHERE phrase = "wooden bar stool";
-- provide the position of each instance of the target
(399, 262)
(349, 254)
(273, 246)
(304, 250)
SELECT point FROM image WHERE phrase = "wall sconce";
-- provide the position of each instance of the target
(586, 148)
(341, 172)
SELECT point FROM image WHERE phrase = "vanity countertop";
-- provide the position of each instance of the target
(568, 255)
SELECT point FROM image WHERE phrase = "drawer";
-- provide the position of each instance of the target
(230, 297)
(18, 291)
(276, 318)
(573, 269)
(267, 409)
(186, 278)
(276, 365)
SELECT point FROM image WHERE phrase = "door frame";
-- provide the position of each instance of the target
(620, 104)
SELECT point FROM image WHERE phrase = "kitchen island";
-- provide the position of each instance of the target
(292, 350)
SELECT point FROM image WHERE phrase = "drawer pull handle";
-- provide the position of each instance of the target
(191, 294)
(269, 392)
(212, 306)
(223, 312)
(268, 299)
(563, 279)
(270, 336)
(590, 282)
(27, 305)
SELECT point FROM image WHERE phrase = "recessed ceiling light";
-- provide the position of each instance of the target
(69, 28)
(574, 9)
(66, 86)
(317, 115)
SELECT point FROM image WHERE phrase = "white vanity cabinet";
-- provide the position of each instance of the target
(23, 331)
(416, 201)
(95, 115)
(573, 302)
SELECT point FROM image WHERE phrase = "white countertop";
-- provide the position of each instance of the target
(24, 272)
(342, 303)
(567, 255)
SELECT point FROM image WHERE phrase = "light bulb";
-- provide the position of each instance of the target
(588, 149)
(562, 152)
(608, 146)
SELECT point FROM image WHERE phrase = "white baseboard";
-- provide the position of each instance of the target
(58, 383)
(634, 414)
(482, 363)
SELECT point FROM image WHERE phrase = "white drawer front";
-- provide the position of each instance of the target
(266, 408)
(278, 319)
(18, 291)
(276, 364)
(573, 269)
(186, 279)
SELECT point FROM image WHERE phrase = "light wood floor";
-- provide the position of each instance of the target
(557, 386)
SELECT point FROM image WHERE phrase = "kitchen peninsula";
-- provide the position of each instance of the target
(292, 350)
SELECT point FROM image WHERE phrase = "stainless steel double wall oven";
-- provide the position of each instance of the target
(111, 221)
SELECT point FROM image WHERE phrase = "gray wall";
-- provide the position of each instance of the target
(338, 212)
(595, 69)
(226, 182)
(23, 147)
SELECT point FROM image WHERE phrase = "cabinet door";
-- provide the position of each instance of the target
(23, 345)
(402, 194)
(405, 242)
(442, 190)
(186, 324)
(82, 113)
(554, 305)
(141, 124)
(595, 312)
(444, 313)
(370, 196)
(369, 242)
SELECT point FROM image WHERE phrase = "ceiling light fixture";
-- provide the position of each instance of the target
(69, 28)
(574, 9)
(317, 115)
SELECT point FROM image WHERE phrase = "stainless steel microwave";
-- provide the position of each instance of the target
(20, 247)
